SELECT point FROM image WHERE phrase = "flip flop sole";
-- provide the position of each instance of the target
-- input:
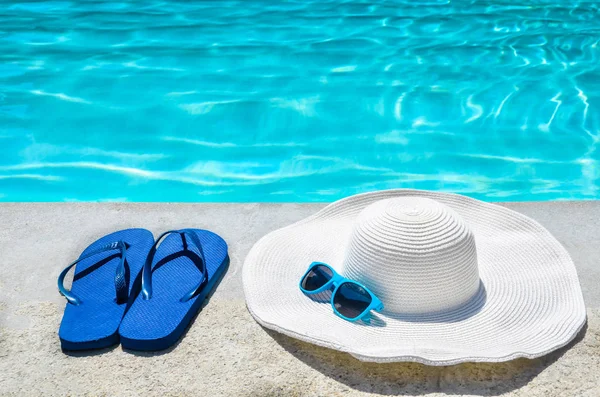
(159, 322)
(94, 323)
(169, 340)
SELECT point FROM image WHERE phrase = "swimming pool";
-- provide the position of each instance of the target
(298, 100)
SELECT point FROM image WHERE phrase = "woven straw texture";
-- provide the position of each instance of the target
(462, 280)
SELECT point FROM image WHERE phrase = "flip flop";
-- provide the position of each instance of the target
(177, 277)
(104, 286)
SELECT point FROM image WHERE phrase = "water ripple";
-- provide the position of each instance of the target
(298, 101)
(61, 96)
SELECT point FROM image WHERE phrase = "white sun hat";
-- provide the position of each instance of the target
(461, 280)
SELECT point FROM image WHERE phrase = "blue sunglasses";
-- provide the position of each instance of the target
(350, 300)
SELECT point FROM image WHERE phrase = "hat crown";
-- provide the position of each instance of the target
(416, 254)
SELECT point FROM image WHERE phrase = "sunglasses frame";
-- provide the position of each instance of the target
(336, 281)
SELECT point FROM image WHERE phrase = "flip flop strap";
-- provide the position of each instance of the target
(198, 260)
(121, 276)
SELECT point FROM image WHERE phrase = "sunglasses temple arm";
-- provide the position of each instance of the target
(377, 306)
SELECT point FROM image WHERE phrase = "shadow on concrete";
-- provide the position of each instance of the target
(396, 379)
(88, 353)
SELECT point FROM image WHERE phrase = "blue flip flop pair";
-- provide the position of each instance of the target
(144, 293)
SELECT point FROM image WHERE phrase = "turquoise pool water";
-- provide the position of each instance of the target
(298, 100)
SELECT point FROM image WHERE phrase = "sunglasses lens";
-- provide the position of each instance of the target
(351, 300)
(317, 277)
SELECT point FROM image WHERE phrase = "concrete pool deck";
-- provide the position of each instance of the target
(225, 353)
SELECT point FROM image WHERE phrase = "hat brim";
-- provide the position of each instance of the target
(530, 301)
